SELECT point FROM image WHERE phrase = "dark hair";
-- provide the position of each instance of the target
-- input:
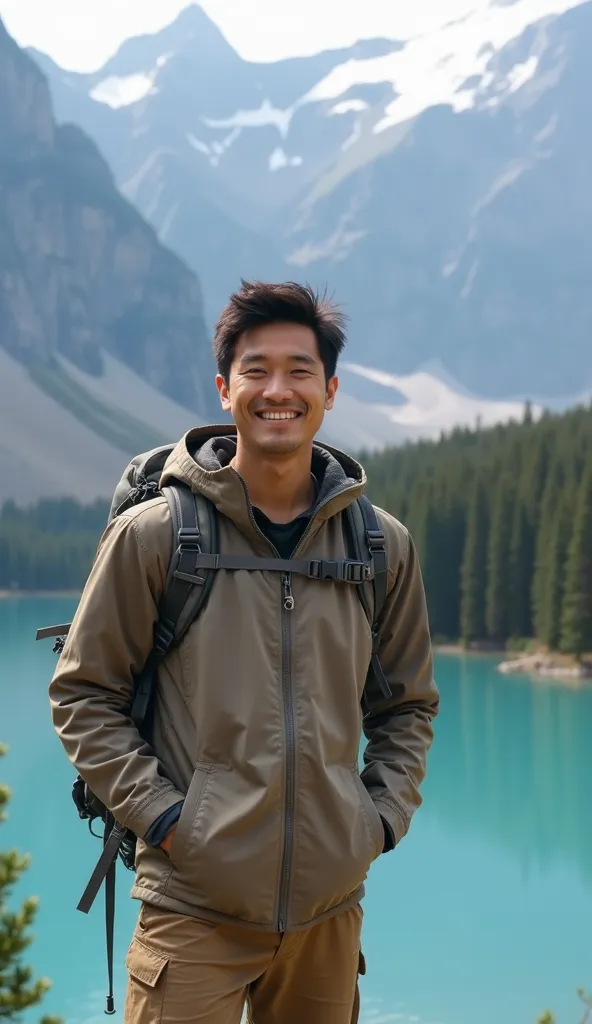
(259, 303)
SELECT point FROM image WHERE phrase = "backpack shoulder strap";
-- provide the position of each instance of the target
(368, 540)
(195, 531)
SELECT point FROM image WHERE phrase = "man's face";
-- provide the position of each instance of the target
(277, 392)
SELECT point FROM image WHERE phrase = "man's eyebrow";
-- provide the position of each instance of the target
(260, 357)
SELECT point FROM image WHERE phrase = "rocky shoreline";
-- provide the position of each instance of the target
(538, 664)
(547, 666)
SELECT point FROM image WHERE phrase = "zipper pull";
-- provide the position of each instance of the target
(288, 599)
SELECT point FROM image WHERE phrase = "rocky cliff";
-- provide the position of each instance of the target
(82, 275)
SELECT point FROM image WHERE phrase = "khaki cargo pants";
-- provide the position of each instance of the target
(183, 971)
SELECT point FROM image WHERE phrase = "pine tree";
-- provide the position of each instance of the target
(18, 989)
(520, 574)
(498, 564)
(559, 538)
(543, 620)
(576, 619)
(474, 567)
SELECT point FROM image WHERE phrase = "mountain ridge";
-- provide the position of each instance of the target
(427, 179)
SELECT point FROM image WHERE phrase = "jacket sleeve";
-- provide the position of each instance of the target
(399, 729)
(91, 690)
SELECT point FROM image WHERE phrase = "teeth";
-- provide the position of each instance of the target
(279, 415)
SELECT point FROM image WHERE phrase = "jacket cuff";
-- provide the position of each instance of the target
(141, 822)
(393, 819)
(161, 827)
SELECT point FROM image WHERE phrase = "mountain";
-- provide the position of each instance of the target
(161, 109)
(104, 348)
(104, 351)
(85, 286)
(438, 184)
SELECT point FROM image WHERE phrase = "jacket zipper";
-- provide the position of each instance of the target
(289, 795)
(289, 789)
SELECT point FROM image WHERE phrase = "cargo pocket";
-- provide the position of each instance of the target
(146, 968)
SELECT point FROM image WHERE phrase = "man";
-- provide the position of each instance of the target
(255, 829)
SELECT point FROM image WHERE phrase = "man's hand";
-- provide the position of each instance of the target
(168, 840)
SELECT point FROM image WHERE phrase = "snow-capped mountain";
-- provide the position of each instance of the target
(439, 184)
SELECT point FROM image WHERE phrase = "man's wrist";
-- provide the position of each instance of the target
(160, 828)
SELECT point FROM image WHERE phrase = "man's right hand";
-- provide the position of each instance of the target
(168, 840)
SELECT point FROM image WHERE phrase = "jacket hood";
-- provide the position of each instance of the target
(202, 459)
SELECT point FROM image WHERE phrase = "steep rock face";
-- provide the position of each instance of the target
(80, 271)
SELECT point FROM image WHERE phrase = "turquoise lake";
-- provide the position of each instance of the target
(482, 916)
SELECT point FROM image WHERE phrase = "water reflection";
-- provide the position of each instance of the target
(511, 763)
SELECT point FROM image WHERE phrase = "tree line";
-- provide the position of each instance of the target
(501, 517)
(50, 545)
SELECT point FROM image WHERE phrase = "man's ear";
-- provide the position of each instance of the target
(224, 392)
(332, 385)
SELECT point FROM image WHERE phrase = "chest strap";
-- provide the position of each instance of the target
(343, 570)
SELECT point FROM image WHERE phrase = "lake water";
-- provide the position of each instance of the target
(482, 916)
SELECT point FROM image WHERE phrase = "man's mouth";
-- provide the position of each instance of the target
(285, 414)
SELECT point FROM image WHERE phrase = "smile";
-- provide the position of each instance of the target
(279, 415)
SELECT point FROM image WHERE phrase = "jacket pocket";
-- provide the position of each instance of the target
(195, 794)
(372, 816)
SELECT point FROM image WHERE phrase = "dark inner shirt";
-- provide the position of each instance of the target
(285, 536)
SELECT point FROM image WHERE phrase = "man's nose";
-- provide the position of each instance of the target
(278, 387)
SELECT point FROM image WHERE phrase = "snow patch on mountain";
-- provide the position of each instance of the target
(116, 91)
(432, 405)
(432, 68)
(122, 92)
(201, 147)
(278, 160)
(348, 106)
(522, 73)
(260, 117)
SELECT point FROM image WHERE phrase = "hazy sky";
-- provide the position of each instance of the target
(82, 34)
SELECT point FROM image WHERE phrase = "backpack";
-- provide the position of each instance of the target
(195, 560)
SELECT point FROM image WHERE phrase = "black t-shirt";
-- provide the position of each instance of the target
(285, 536)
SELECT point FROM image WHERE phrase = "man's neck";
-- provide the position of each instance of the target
(282, 487)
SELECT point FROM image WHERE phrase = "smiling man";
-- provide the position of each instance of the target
(255, 829)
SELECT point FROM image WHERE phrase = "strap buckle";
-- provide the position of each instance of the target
(189, 539)
(375, 539)
(377, 547)
(164, 635)
(342, 571)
